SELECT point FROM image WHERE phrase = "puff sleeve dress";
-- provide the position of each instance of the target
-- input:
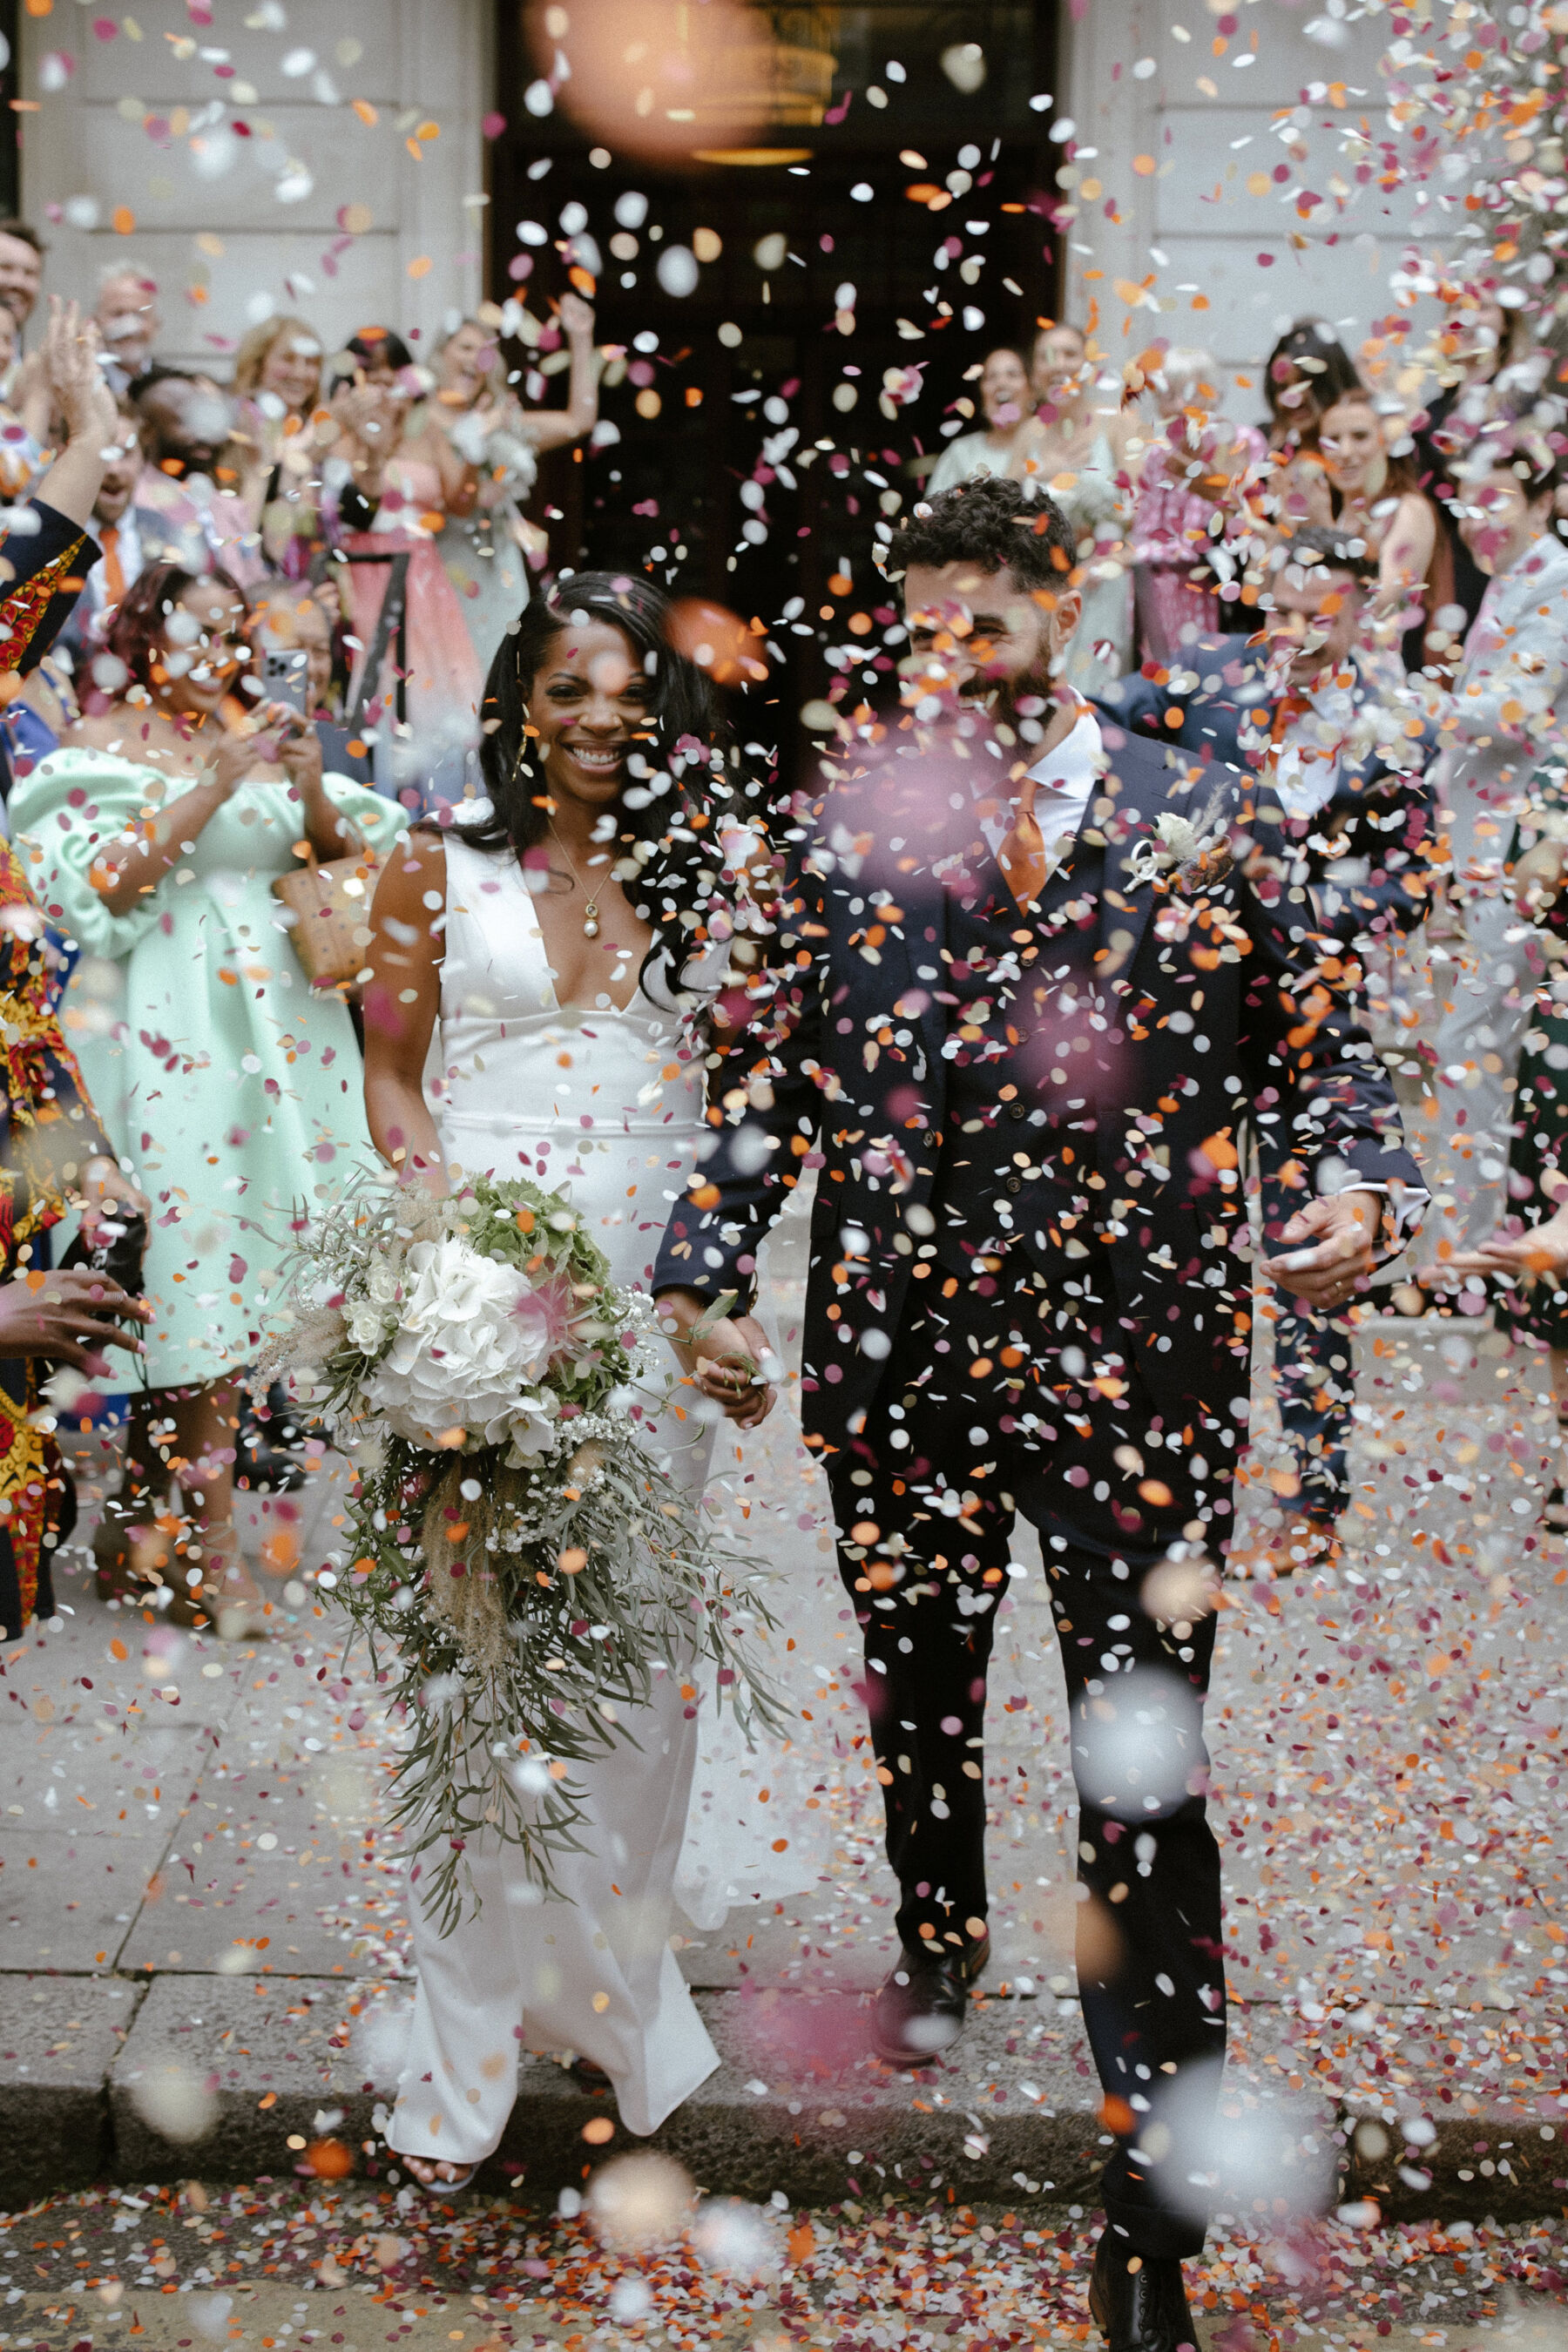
(232, 1087)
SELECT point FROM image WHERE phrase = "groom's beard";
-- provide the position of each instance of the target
(1003, 696)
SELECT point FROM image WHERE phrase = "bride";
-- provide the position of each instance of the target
(541, 945)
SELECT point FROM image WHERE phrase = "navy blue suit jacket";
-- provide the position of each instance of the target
(857, 1072)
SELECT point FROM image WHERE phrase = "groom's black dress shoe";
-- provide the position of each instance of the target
(921, 2007)
(1141, 2308)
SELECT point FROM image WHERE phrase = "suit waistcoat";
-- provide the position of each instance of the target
(1025, 1067)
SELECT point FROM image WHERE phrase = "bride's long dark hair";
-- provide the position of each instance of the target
(686, 774)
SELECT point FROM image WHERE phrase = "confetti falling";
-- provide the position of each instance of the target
(1385, 1730)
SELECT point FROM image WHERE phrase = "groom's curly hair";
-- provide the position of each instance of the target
(994, 523)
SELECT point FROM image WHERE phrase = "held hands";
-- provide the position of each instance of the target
(724, 1360)
(1342, 1230)
(68, 1317)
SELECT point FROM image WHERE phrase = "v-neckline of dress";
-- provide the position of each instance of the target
(595, 1011)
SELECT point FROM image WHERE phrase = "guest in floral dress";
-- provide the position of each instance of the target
(1196, 475)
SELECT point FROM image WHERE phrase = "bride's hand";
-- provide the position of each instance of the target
(726, 1366)
(723, 1362)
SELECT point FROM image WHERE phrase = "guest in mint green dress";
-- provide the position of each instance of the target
(154, 835)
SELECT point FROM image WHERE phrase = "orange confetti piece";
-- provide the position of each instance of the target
(366, 112)
(122, 220)
(421, 266)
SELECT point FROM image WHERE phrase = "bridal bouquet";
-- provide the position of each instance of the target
(517, 1540)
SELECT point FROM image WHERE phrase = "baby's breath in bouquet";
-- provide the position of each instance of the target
(518, 1544)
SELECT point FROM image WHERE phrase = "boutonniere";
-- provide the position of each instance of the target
(1191, 853)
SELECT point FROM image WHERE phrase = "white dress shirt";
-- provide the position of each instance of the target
(1065, 778)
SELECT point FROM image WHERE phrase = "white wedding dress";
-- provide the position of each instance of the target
(595, 1103)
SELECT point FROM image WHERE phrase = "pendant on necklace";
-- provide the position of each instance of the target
(590, 920)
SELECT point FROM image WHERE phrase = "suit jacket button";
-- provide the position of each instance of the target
(1015, 1110)
(1014, 1183)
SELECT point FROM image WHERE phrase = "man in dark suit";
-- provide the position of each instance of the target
(1342, 758)
(1025, 992)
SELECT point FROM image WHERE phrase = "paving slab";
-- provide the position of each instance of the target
(70, 1905)
(59, 2037)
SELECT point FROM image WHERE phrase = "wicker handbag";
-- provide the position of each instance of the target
(330, 908)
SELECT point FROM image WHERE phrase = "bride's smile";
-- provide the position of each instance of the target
(589, 707)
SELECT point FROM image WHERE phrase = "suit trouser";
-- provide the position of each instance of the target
(1315, 1383)
(985, 1416)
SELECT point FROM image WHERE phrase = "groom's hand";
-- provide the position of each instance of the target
(724, 1360)
(1342, 1229)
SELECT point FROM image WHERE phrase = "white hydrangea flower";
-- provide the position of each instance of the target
(472, 1340)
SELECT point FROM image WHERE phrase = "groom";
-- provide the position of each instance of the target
(1021, 1022)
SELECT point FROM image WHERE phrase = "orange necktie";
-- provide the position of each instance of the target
(1023, 853)
(113, 570)
(1290, 707)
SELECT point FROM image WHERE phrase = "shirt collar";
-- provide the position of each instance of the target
(1072, 767)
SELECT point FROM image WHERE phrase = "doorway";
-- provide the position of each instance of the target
(756, 444)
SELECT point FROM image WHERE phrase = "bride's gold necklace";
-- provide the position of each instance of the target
(590, 898)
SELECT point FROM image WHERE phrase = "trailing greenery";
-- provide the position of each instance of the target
(524, 1566)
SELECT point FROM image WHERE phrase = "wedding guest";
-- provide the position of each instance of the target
(1076, 1313)
(21, 269)
(1010, 430)
(1310, 711)
(1081, 450)
(279, 363)
(1477, 341)
(1506, 719)
(128, 321)
(155, 833)
(52, 1144)
(291, 616)
(191, 493)
(1194, 479)
(486, 550)
(1377, 495)
(1307, 370)
(25, 428)
(277, 385)
(1532, 1261)
(393, 479)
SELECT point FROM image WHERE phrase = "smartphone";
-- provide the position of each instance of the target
(285, 676)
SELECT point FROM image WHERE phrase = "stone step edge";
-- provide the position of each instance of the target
(822, 2144)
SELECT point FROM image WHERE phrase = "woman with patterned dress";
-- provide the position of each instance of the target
(54, 1154)
(1197, 472)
